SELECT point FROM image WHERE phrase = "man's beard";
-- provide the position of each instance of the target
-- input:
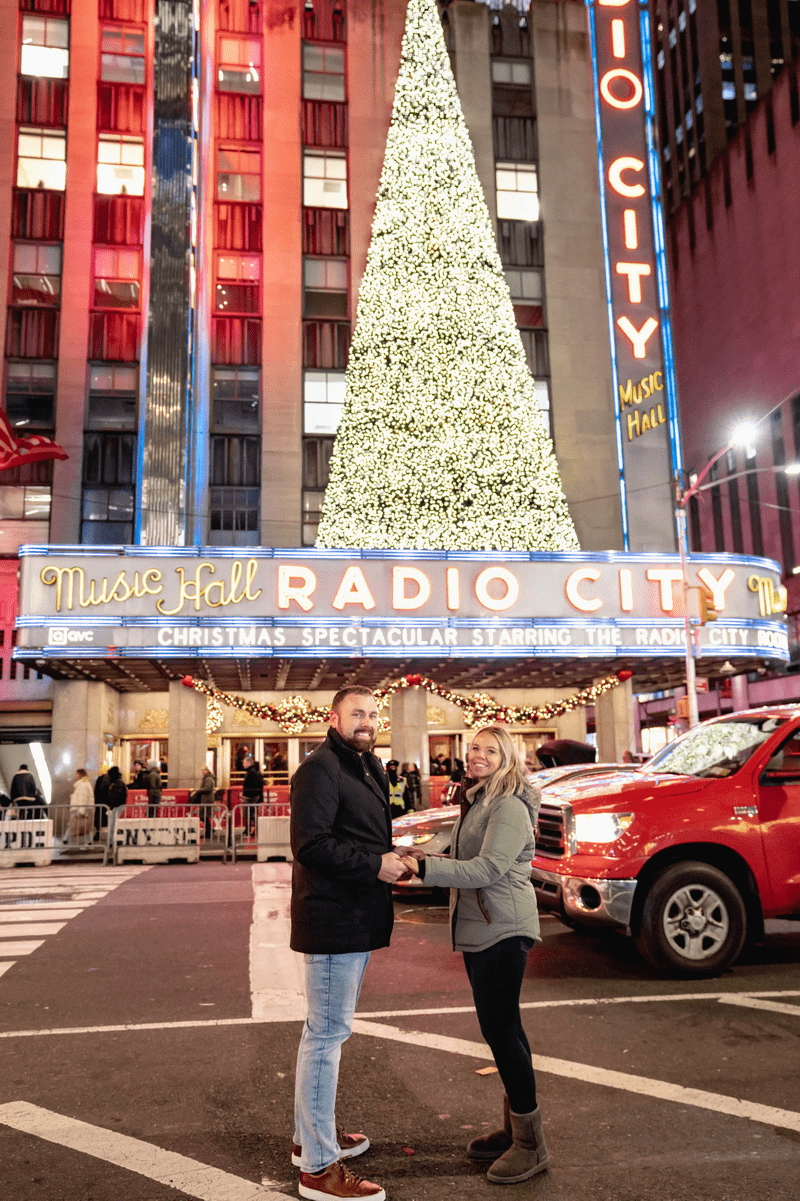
(364, 743)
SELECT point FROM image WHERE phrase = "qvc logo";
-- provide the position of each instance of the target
(58, 637)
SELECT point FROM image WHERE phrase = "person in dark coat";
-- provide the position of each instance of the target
(139, 779)
(413, 793)
(341, 910)
(153, 787)
(23, 786)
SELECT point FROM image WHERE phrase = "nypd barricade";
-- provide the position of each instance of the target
(155, 839)
(212, 817)
(39, 834)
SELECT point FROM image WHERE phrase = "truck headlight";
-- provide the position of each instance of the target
(601, 827)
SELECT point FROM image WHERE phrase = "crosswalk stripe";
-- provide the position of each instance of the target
(30, 909)
(4, 966)
(168, 1168)
(38, 929)
(21, 948)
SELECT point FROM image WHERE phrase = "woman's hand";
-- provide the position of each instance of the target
(411, 863)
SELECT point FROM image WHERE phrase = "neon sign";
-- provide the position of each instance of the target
(636, 276)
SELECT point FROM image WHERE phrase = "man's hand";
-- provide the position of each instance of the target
(392, 868)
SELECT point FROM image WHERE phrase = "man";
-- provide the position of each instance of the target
(342, 875)
(139, 774)
(24, 793)
(252, 792)
(23, 785)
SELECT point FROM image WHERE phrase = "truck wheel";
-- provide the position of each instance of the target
(693, 921)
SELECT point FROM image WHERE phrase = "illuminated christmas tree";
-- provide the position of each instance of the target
(441, 444)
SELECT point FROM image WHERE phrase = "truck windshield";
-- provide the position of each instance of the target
(715, 750)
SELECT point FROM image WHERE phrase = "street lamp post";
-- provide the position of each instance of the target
(744, 435)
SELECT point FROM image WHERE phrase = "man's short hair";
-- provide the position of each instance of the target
(351, 690)
(23, 767)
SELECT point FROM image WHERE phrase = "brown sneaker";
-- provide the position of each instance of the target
(338, 1181)
(349, 1146)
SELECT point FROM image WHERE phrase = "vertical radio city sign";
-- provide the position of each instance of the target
(648, 444)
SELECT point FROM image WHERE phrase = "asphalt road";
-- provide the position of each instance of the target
(149, 1022)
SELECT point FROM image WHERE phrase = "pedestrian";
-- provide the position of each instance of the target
(252, 792)
(242, 754)
(153, 787)
(139, 774)
(81, 809)
(494, 923)
(116, 800)
(24, 793)
(397, 789)
(205, 797)
(341, 911)
(101, 787)
(413, 794)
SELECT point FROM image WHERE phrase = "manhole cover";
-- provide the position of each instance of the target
(431, 915)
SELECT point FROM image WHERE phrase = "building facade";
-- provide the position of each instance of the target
(715, 60)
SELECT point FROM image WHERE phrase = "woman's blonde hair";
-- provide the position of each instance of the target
(509, 779)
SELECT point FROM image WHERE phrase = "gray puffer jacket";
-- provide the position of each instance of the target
(489, 872)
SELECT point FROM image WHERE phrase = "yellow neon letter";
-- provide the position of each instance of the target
(626, 163)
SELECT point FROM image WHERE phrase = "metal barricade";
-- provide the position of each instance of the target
(261, 830)
(40, 834)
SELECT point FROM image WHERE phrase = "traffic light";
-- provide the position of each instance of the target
(707, 610)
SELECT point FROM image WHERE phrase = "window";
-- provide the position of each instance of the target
(312, 515)
(41, 159)
(238, 174)
(323, 400)
(109, 464)
(518, 72)
(112, 401)
(37, 274)
(116, 278)
(30, 503)
(525, 285)
(31, 395)
(517, 192)
(324, 180)
(543, 400)
(236, 396)
(317, 462)
(323, 73)
(238, 278)
(234, 516)
(239, 67)
(325, 287)
(120, 166)
(121, 55)
(45, 47)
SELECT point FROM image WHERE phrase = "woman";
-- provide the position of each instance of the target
(494, 922)
(81, 809)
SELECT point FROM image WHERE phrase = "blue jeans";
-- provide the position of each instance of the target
(333, 983)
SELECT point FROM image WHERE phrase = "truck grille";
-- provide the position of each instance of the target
(551, 830)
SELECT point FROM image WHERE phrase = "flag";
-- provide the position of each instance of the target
(14, 451)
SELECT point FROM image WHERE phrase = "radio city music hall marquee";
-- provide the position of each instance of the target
(178, 602)
(640, 336)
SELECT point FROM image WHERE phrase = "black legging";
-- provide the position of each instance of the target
(496, 978)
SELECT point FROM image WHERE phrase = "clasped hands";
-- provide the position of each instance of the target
(395, 868)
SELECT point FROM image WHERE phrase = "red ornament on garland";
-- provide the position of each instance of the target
(188, 682)
(414, 681)
(622, 676)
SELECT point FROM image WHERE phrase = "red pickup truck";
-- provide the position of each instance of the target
(690, 853)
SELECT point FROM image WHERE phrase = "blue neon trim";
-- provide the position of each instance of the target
(660, 241)
(623, 496)
(311, 554)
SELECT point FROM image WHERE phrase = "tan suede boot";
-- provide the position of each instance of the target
(526, 1156)
(489, 1146)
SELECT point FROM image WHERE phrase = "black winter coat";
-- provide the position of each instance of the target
(340, 825)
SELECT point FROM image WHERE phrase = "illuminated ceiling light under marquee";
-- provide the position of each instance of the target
(441, 444)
